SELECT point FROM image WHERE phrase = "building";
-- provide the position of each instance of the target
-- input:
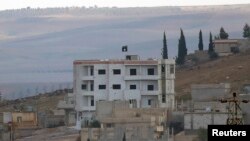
(118, 119)
(68, 105)
(24, 119)
(231, 46)
(144, 83)
(205, 107)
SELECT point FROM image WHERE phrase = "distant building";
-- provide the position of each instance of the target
(144, 83)
(230, 46)
(68, 105)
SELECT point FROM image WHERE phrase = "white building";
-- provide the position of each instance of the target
(137, 81)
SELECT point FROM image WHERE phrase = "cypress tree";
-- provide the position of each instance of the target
(165, 48)
(210, 46)
(124, 137)
(200, 45)
(182, 50)
(183, 42)
(246, 31)
(223, 34)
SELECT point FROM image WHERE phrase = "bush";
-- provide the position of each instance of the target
(202, 134)
(95, 124)
(213, 55)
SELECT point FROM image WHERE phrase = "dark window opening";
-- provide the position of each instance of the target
(116, 71)
(235, 50)
(150, 87)
(128, 57)
(102, 87)
(101, 72)
(132, 87)
(151, 71)
(92, 103)
(91, 87)
(132, 71)
(116, 86)
(149, 102)
(163, 98)
(84, 87)
(92, 71)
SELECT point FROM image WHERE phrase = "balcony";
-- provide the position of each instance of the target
(88, 77)
(155, 92)
(87, 93)
(141, 77)
(64, 105)
(88, 108)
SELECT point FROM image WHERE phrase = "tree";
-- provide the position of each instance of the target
(124, 137)
(165, 48)
(246, 31)
(210, 46)
(200, 45)
(182, 50)
(223, 34)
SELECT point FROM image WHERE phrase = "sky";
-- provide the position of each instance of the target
(17, 4)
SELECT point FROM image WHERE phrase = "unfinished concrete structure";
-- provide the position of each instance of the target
(68, 105)
(205, 107)
(209, 92)
(230, 46)
(118, 119)
(144, 83)
(197, 120)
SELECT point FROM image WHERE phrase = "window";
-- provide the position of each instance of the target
(116, 86)
(150, 87)
(132, 71)
(163, 98)
(151, 71)
(102, 87)
(132, 87)
(91, 71)
(91, 87)
(171, 69)
(149, 102)
(101, 72)
(84, 87)
(116, 71)
(92, 103)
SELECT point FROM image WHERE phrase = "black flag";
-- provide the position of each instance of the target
(124, 48)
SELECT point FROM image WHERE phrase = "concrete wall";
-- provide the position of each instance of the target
(106, 108)
(244, 44)
(194, 121)
(206, 92)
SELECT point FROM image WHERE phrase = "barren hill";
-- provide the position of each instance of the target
(233, 69)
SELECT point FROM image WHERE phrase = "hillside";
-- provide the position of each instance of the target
(41, 44)
(233, 69)
(43, 102)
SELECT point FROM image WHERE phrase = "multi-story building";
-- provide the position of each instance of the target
(144, 83)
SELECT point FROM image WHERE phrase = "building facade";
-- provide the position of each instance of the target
(231, 46)
(144, 83)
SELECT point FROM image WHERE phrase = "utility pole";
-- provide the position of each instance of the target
(234, 110)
